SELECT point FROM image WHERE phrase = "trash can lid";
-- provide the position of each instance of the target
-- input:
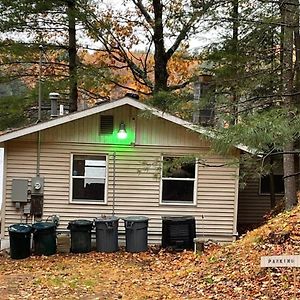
(81, 222)
(136, 219)
(22, 228)
(178, 218)
(43, 225)
(106, 219)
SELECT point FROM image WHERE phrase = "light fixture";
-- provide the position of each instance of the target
(122, 134)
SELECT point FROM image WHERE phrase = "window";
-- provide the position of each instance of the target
(89, 178)
(276, 165)
(178, 180)
(265, 186)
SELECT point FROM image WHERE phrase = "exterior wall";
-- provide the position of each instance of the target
(1, 174)
(143, 128)
(137, 189)
(252, 205)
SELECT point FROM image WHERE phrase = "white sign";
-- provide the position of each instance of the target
(280, 261)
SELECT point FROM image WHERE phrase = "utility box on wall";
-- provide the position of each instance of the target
(19, 190)
(37, 191)
(37, 185)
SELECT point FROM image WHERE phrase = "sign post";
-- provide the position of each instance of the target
(283, 261)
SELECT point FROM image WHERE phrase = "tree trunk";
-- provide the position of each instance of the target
(297, 62)
(288, 19)
(297, 83)
(160, 70)
(235, 41)
(73, 94)
(289, 178)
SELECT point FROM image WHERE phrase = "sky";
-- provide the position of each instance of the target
(196, 43)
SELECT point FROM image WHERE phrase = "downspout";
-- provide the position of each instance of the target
(114, 183)
(38, 155)
(39, 113)
(236, 203)
(36, 201)
(3, 205)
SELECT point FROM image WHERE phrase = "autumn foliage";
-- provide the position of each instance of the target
(221, 272)
(121, 79)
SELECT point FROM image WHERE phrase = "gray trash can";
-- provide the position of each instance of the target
(107, 234)
(136, 230)
(80, 235)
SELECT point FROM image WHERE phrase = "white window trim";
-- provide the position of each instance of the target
(87, 201)
(178, 203)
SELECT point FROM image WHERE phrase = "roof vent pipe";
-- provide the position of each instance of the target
(61, 110)
(53, 98)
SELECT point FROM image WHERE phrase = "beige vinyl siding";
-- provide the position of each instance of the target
(155, 131)
(148, 131)
(137, 188)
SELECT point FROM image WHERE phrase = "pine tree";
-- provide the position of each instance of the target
(262, 73)
(47, 23)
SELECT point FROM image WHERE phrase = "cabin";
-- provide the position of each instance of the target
(255, 195)
(124, 158)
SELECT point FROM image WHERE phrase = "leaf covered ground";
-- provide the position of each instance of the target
(221, 272)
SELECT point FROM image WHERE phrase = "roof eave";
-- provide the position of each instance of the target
(107, 106)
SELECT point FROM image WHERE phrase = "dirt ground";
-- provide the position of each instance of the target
(220, 273)
(95, 275)
(230, 272)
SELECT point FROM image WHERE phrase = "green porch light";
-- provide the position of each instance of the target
(122, 134)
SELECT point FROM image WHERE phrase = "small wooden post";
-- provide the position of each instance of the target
(269, 284)
(295, 287)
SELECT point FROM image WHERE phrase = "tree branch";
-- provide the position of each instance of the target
(129, 88)
(143, 10)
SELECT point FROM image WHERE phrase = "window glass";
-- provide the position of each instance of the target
(178, 180)
(176, 190)
(265, 186)
(89, 177)
(276, 163)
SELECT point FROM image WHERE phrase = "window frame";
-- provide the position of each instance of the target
(195, 180)
(88, 201)
(268, 194)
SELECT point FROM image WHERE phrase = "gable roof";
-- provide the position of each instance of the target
(104, 107)
(98, 109)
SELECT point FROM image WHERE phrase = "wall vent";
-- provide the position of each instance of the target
(106, 124)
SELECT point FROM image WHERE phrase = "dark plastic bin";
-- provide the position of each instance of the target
(136, 230)
(80, 236)
(44, 238)
(107, 234)
(19, 238)
(178, 232)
